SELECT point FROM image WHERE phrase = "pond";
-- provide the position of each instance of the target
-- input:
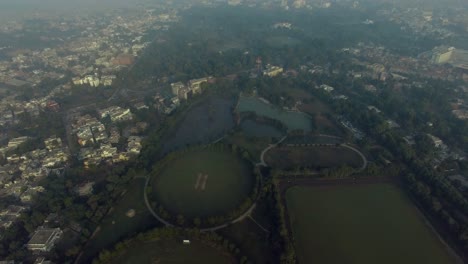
(203, 124)
(293, 120)
(252, 128)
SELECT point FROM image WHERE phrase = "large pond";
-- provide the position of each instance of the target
(255, 129)
(203, 124)
(293, 120)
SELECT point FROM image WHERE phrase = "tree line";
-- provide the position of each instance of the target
(210, 239)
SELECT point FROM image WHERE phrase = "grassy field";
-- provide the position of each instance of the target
(360, 224)
(174, 252)
(288, 158)
(203, 183)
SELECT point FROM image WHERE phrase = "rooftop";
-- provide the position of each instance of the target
(43, 236)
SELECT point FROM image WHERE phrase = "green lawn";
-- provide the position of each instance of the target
(312, 157)
(360, 224)
(174, 252)
(228, 182)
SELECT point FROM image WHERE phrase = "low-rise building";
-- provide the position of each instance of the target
(134, 145)
(15, 142)
(326, 88)
(44, 239)
(437, 141)
(176, 87)
(116, 113)
(272, 71)
(184, 93)
(195, 84)
(107, 80)
(53, 143)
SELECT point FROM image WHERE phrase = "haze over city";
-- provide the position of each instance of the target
(234, 131)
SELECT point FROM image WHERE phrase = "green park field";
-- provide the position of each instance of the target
(174, 252)
(203, 182)
(288, 158)
(360, 224)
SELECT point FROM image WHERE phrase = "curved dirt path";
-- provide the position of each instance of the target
(364, 159)
(150, 209)
(262, 156)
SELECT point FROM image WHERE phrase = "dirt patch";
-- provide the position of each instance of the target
(131, 213)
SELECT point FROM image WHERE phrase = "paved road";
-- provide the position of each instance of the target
(262, 160)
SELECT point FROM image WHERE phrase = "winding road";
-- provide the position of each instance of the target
(160, 219)
(262, 160)
(364, 159)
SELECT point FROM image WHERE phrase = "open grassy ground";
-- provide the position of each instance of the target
(174, 252)
(116, 225)
(360, 224)
(203, 183)
(313, 157)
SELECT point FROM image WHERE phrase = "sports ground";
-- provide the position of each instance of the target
(174, 252)
(203, 182)
(360, 224)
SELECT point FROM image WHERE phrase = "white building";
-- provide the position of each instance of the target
(44, 239)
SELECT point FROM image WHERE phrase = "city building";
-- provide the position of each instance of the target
(184, 93)
(15, 142)
(176, 87)
(44, 239)
(116, 113)
(272, 71)
(53, 143)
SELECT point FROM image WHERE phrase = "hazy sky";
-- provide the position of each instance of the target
(20, 9)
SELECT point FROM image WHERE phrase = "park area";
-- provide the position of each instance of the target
(203, 182)
(360, 224)
(175, 252)
(314, 157)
